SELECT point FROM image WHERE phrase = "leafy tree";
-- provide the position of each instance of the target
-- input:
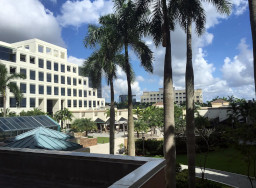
(130, 29)
(104, 60)
(141, 127)
(34, 112)
(8, 113)
(189, 11)
(63, 115)
(252, 9)
(83, 124)
(5, 82)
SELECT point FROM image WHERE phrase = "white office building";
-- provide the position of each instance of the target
(179, 96)
(51, 83)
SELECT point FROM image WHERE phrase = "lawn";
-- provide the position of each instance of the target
(228, 159)
(102, 140)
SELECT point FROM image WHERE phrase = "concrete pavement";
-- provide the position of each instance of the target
(228, 178)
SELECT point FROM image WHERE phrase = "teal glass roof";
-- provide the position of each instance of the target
(44, 138)
(8, 124)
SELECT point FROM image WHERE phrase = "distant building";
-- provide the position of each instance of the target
(124, 98)
(219, 103)
(179, 96)
(159, 104)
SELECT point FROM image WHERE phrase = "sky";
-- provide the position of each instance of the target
(222, 56)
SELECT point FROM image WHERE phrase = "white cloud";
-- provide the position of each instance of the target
(26, 19)
(76, 13)
(53, 1)
(140, 79)
(75, 60)
(239, 71)
(239, 6)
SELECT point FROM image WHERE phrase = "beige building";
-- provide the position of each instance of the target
(179, 96)
(219, 103)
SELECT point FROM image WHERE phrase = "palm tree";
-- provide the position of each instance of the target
(63, 115)
(252, 8)
(5, 82)
(83, 124)
(189, 11)
(104, 60)
(161, 24)
(130, 28)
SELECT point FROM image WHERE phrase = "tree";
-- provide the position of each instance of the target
(252, 9)
(104, 60)
(63, 115)
(160, 27)
(83, 124)
(189, 11)
(34, 112)
(5, 82)
(141, 127)
(130, 29)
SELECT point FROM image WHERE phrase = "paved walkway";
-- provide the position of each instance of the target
(228, 178)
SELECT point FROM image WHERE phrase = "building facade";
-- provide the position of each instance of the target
(179, 96)
(51, 83)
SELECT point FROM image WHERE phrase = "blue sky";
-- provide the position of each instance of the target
(222, 56)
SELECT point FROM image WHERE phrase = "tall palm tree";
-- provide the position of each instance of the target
(252, 8)
(5, 82)
(63, 115)
(130, 29)
(161, 25)
(104, 60)
(189, 11)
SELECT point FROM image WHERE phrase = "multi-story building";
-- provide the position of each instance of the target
(124, 98)
(51, 83)
(179, 96)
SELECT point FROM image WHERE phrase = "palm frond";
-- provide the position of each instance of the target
(15, 90)
(223, 6)
(15, 76)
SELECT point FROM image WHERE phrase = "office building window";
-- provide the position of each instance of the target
(32, 75)
(23, 103)
(98, 103)
(56, 91)
(84, 82)
(62, 91)
(80, 103)
(32, 89)
(40, 63)
(74, 81)
(41, 76)
(62, 79)
(62, 68)
(49, 65)
(56, 79)
(74, 103)
(69, 80)
(90, 104)
(23, 88)
(94, 103)
(12, 70)
(69, 92)
(48, 50)
(89, 93)
(69, 103)
(32, 102)
(49, 77)
(85, 93)
(40, 49)
(80, 81)
(94, 93)
(56, 66)
(23, 71)
(32, 60)
(13, 102)
(41, 89)
(68, 68)
(23, 57)
(74, 92)
(49, 90)
(85, 104)
(80, 93)
(74, 69)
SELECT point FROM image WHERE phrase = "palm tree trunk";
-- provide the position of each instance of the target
(4, 101)
(252, 8)
(190, 125)
(112, 120)
(169, 126)
(131, 143)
